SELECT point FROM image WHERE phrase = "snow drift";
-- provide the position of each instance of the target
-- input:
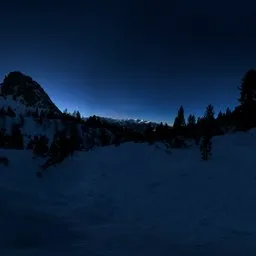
(132, 200)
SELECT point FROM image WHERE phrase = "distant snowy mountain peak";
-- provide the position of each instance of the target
(128, 121)
(25, 90)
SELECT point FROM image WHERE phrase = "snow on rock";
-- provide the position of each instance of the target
(30, 127)
(134, 199)
(15, 105)
(26, 91)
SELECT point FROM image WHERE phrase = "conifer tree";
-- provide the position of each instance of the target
(180, 119)
(74, 113)
(75, 138)
(209, 120)
(17, 140)
(191, 126)
(209, 113)
(10, 112)
(248, 88)
(220, 115)
(206, 142)
(206, 147)
(248, 99)
(191, 120)
(228, 112)
(78, 115)
(149, 134)
(179, 123)
(104, 137)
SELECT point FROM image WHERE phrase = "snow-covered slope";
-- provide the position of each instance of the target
(50, 125)
(25, 103)
(133, 200)
(17, 106)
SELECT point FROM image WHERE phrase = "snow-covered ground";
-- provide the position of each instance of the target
(132, 200)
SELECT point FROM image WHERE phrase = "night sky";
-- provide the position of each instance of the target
(131, 59)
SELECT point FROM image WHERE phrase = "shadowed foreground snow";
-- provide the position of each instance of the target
(132, 200)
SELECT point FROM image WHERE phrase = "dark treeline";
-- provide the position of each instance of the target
(85, 133)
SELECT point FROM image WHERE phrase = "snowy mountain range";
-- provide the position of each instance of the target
(20, 92)
(139, 123)
(23, 102)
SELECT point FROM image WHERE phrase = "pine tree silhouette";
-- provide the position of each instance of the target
(220, 115)
(191, 126)
(17, 140)
(149, 134)
(206, 147)
(179, 123)
(104, 138)
(209, 121)
(208, 130)
(40, 147)
(228, 112)
(248, 99)
(78, 116)
(191, 120)
(180, 119)
(10, 112)
(75, 138)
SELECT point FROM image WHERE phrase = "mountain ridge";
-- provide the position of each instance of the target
(24, 89)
